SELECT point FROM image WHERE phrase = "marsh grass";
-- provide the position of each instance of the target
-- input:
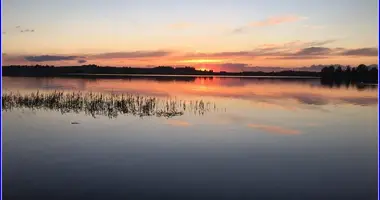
(111, 105)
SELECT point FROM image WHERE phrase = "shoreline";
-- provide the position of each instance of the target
(82, 75)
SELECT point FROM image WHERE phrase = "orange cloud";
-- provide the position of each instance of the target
(277, 20)
(283, 54)
(202, 61)
(274, 129)
(271, 21)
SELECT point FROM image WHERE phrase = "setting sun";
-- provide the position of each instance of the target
(203, 69)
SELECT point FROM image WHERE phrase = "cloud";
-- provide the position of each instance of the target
(277, 20)
(132, 54)
(27, 31)
(301, 44)
(305, 53)
(177, 123)
(298, 57)
(46, 58)
(240, 29)
(271, 21)
(313, 51)
(12, 58)
(274, 129)
(324, 52)
(289, 49)
(84, 58)
(361, 52)
(319, 43)
(82, 61)
(18, 26)
(226, 60)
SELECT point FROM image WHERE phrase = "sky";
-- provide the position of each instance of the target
(227, 35)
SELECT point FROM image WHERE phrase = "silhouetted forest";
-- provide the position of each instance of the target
(85, 70)
(359, 74)
(40, 70)
(335, 74)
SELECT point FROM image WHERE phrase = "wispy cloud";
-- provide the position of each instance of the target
(313, 51)
(298, 57)
(131, 54)
(81, 58)
(318, 43)
(271, 21)
(12, 58)
(240, 29)
(361, 52)
(27, 31)
(323, 52)
(277, 20)
(81, 61)
(291, 50)
(274, 129)
(46, 58)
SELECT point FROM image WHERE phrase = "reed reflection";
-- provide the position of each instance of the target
(111, 105)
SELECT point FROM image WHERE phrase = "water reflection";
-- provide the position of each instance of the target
(299, 137)
(286, 93)
(274, 129)
(85, 83)
(110, 105)
(347, 84)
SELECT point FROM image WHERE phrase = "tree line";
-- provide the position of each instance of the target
(361, 73)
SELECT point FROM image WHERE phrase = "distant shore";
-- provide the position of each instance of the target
(93, 71)
(84, 75)
(360, 74)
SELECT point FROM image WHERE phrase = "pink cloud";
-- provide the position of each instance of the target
(277, 20)
(271, 21)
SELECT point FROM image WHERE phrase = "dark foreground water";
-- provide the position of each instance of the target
(231, 138)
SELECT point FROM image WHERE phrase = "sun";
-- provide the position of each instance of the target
(203, 69)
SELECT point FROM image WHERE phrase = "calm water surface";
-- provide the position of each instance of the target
(260, 139)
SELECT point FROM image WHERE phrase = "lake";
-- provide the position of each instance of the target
(188, 138)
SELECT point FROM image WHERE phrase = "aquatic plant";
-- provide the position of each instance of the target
(110, 105)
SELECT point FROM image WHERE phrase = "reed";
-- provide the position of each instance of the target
(110, 105)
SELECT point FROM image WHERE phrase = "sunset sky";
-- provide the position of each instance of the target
(212, 34)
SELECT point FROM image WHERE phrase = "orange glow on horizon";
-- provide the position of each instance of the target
(203, 69)
(202, 61)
